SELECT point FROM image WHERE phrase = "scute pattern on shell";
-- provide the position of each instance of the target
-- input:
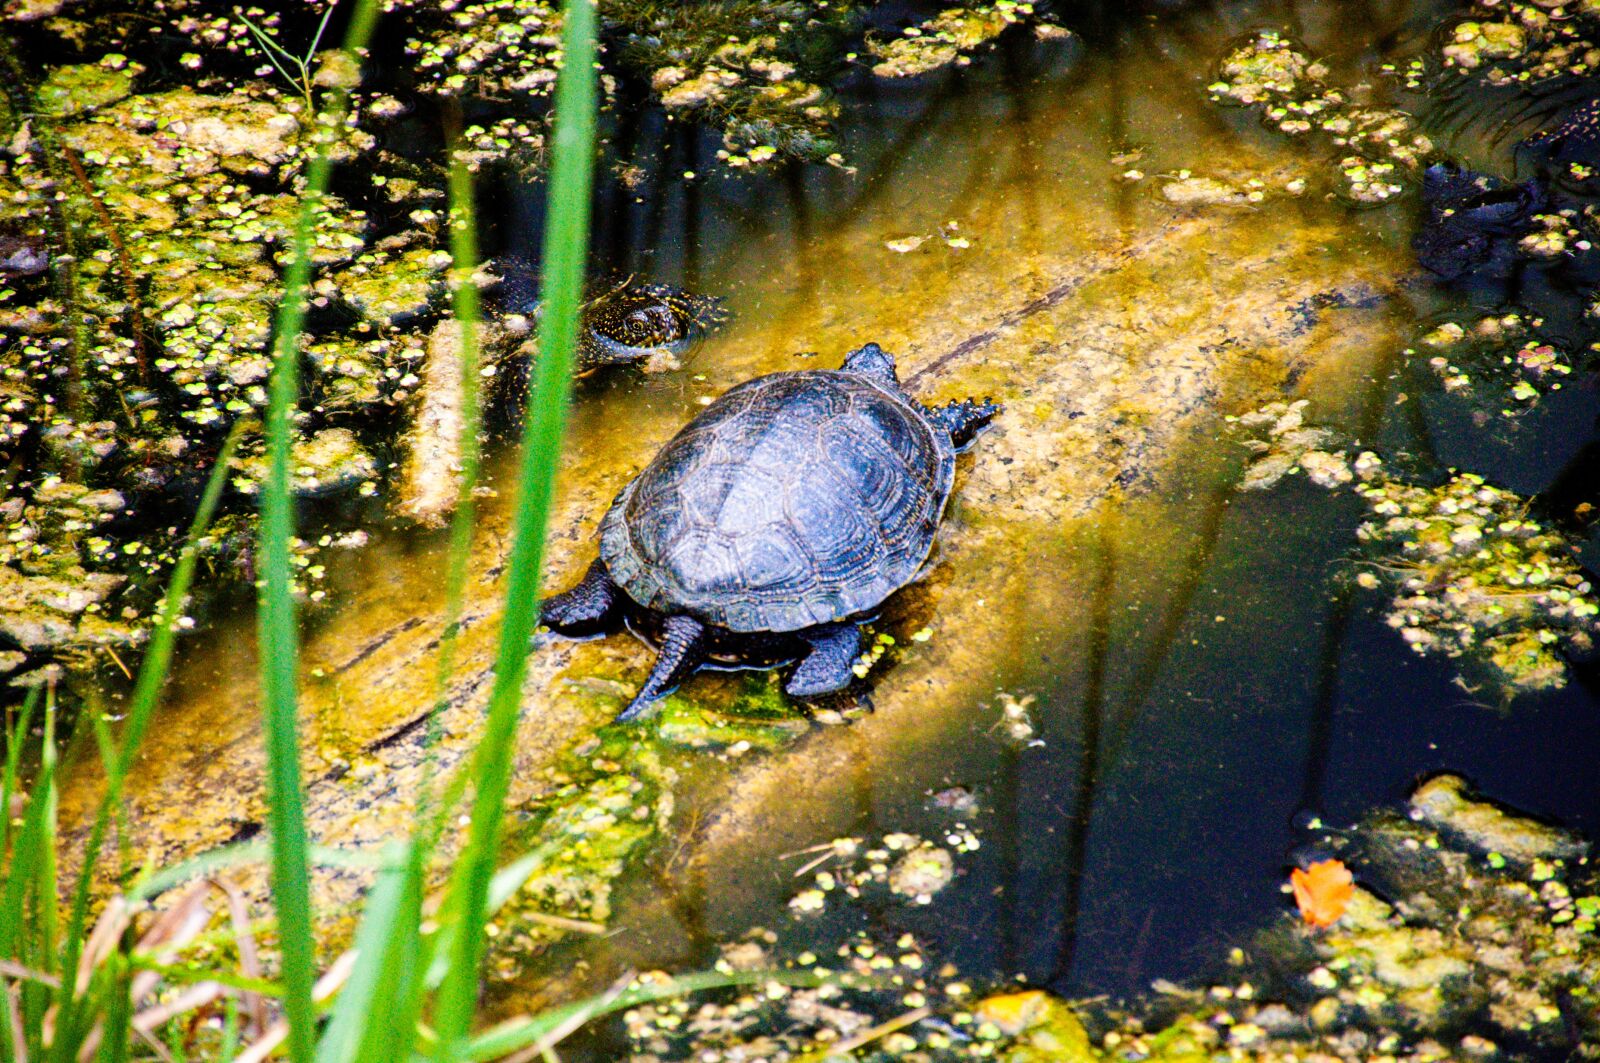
(795, 499)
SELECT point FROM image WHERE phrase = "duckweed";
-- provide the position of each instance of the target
(1382, 149)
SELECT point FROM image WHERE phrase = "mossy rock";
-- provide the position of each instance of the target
(72, 90)
(393, 291)
(330, 461)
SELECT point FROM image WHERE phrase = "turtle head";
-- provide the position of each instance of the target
(871, 361)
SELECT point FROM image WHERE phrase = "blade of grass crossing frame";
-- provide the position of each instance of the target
(565, 249)
(465, 305)
(15, 736)
(276, 632)
(147, 688)
(388, 927)
(46, 918)
(30, 841)
(404, 956)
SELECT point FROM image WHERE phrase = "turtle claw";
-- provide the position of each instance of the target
(586, 609)
(964, 419)
(682, 651)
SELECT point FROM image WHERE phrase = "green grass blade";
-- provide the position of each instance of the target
(147, 690)
(230, 1030)
(276, 631)
(407, 956)
(16, 735)
(46, 916)
(388, 925)
(236, 855)
(565, 250)
(28, 847)
(118, 1029)
(468, 313)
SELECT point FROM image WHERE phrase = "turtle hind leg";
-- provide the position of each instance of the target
(683, 645)
(592, 607)
(827, 667)
(964, 419)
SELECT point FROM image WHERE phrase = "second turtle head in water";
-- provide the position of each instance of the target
(645, 323)
(773, 524)
(631, 322)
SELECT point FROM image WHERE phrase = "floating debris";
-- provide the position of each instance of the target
(1472, 576)
(1322, 891)
(1470, 957)
(1016, 719)
(908, 865)
(1495, 360)
(949, 36)
(1289, 446)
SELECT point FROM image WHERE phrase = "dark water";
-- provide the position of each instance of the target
(1223, 697)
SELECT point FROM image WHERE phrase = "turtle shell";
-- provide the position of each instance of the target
(794, 499)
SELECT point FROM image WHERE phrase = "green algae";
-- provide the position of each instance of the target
(331, 460)
(1498, 361)
(393, 289)
(181, 202)
(71, 90)
(760, 71)
(1519, 42)
(1476, 579)
(946, 38)
(1101, 385)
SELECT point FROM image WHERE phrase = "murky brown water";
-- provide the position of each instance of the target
(1094, 554)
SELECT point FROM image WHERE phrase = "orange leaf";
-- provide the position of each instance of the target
(1322, 891)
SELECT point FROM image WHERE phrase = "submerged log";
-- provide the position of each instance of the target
(1113, 347)
(430, 475)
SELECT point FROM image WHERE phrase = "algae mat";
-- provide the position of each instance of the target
(1114, 325)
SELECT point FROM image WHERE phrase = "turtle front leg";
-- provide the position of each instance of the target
(590, 608)
(963, 419)
(683, 649)
(827, 667)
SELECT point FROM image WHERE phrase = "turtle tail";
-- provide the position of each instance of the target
(682, 651)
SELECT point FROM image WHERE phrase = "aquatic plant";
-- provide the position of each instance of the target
(1488, 927)
(1472, 575)
(1381, 149)
(945, 38)
(1476, 578)
(761, 71)
(1496, 361)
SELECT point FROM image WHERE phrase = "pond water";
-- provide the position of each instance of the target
(1205, 676)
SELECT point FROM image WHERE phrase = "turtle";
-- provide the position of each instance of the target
(1574, 139)
(628, 321)
(773, 525)
(645, 322)
(1472, 223)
